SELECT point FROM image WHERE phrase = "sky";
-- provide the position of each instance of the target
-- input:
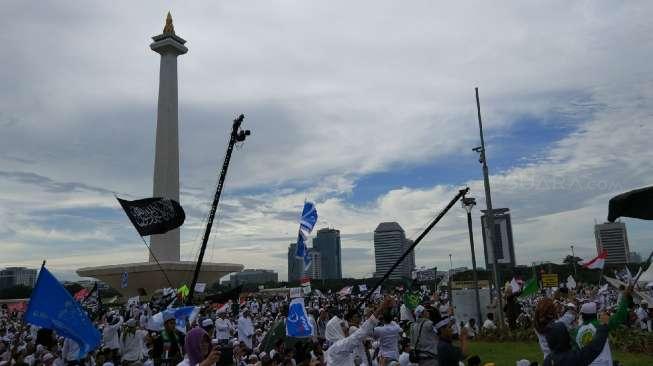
(366, 108)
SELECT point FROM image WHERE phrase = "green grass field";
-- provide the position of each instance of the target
(507, 353)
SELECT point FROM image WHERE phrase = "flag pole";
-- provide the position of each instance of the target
(150, 250)
(421, 236)
(157, 262)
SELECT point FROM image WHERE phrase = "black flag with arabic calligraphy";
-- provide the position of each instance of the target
(154, 215)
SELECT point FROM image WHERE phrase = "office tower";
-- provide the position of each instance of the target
(612, 238)
(295, 265)
(389, 244)
(327, 242)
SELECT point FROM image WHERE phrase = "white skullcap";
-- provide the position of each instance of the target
(418, 311)
(207, 322)
(588, 308)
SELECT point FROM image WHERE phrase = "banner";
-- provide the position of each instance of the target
(550, 280)
(200, 287)
(124, 279)
(52, 307)
(296, 292)
(297, 324)
(154, 215)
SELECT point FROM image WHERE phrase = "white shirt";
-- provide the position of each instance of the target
(340, 353)
(245, 331)
(110, 335)
(489, 324)
(222, 328)
(133, 344)
(388, 336)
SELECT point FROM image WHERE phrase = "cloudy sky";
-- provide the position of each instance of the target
(365, 107)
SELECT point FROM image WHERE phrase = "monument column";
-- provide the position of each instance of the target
(166, 159)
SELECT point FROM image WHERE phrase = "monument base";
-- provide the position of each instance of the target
(149, 276)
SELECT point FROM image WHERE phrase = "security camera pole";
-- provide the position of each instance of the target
(237, 135)
(490, 215)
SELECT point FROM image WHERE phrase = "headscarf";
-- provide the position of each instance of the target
(193, 341)
(334, 331)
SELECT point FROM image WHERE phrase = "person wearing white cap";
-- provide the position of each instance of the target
(342, 346)
(423, 337)
(132, 341)
(223, 328)
(207, 325)
(245, 328)
(586, 332)
(168, 346)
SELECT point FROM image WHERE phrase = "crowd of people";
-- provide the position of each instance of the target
(572, 328)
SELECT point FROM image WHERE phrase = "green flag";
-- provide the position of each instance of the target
(184, 291)
(530, 288)
(411, 300)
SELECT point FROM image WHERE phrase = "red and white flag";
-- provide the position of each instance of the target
(305, 281)
(598, 262)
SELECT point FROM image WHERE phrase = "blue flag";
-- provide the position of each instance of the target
(297, 324)
(51, 306)
(306, 224)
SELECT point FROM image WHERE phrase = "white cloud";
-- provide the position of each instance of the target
(333, 91)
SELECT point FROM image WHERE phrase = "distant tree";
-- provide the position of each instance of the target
(16, 292)
(569, 260)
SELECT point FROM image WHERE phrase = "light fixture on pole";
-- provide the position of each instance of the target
(573, 260)
(468, 204)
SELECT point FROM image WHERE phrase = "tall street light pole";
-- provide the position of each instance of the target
(573, 260)
(468, 204)
(490, 213)
(450, 284)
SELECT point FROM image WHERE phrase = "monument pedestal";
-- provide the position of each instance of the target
(149, 276)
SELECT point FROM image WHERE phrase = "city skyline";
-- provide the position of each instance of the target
(372, 118)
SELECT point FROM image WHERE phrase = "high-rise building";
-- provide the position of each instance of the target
(315, 270)
(389, 244)
(612, 238)
(17, 276)
(295, 265)
(253, 276)
(503, 244)
(327, 242)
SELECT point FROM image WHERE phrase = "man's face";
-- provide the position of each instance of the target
(170, 325)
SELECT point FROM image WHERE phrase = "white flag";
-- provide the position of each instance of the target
(571, 283)
(200, 287)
